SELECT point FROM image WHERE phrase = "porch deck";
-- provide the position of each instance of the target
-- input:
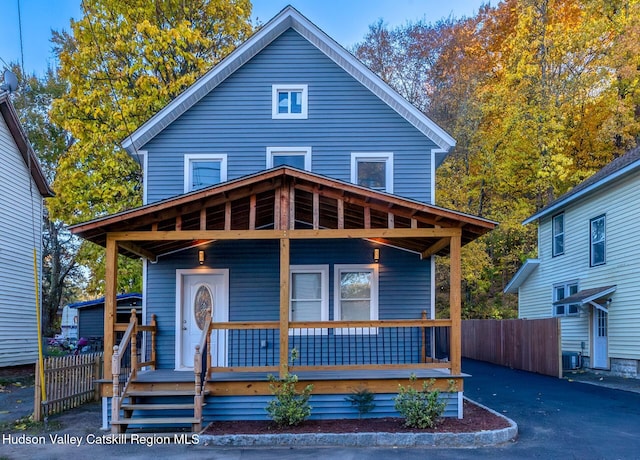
(324, 381)
(176, 376)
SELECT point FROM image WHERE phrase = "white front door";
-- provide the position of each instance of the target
(600, 339)
(200, 292)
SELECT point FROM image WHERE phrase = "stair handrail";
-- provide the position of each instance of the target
(202, 350)
(116, 363)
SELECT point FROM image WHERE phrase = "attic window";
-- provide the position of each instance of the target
(289, 102)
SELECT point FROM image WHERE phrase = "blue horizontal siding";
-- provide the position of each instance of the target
(323, 407)
(254, 289)
(344, 117)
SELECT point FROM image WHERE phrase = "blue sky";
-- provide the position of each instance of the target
(346, 21)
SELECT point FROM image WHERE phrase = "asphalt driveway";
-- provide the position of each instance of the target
(556, 419)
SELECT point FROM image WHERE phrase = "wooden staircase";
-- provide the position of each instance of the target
(157, 401)
(144, 407)
(145, 397)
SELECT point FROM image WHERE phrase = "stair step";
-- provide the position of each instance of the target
(160, 393)
(156, 421)
(158, 406)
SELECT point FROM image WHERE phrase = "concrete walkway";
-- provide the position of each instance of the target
(603, 379)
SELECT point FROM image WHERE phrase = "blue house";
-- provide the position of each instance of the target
(289, 204)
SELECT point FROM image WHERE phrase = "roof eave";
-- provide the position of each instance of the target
(270, 174)
(289, 17)
(555, 207)
(24, 146)
(521, 275)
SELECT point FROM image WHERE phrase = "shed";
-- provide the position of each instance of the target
(91, 313)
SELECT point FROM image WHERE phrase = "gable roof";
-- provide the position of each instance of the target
(16, 130)
(288, 18)
(619, 167)
(258, 203)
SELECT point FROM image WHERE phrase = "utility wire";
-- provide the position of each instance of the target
(34, 220)
(110, 80)
(20, 34)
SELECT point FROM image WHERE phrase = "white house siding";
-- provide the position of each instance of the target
(620, 204)
(20, 220)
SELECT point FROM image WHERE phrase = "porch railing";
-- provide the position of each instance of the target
(327, 345)
(126, 362)
(201, 365)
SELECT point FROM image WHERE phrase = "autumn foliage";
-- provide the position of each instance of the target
(539, 94)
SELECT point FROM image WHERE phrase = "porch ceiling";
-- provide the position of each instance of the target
(283, 202)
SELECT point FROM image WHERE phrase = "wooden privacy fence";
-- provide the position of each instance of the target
(528, 344)
(69, 381)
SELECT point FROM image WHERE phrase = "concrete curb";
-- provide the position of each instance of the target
(458, 440)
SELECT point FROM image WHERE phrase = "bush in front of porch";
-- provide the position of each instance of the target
(288, 407)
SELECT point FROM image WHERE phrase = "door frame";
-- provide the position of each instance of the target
(594, 335)
(220, 314)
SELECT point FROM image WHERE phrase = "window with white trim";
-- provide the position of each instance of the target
(557, 230)
(309, 295)
(561, 291)
(289, 101)
(373, 170)
(203, 170)
(598, 240)
(356, 295)
(298, 157)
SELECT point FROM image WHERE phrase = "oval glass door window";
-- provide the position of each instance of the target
(202, 305)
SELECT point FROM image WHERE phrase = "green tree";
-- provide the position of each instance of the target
(122, 62)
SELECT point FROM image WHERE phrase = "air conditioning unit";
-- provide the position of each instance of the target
(570, 360)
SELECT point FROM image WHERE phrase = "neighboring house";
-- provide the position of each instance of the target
(588, 268)
(22, 188)
(90, 313)
(289, 193)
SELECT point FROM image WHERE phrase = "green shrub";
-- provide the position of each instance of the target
(362, 400)
(288, 407)
(420, 408)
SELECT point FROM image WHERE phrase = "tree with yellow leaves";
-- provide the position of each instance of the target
(540, 94)
(123, 61)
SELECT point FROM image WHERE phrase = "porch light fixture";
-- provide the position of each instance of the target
(376, 255)
(201, 257)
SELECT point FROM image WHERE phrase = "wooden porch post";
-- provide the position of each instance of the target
(111, 285)
(455, 304)
(284, 306)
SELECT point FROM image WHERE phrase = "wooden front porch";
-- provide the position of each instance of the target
(325, 381)
(284, 205)
(337, 357)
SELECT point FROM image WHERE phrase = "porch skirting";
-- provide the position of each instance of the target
(324, 406)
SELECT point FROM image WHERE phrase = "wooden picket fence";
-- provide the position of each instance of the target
(69, 381)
